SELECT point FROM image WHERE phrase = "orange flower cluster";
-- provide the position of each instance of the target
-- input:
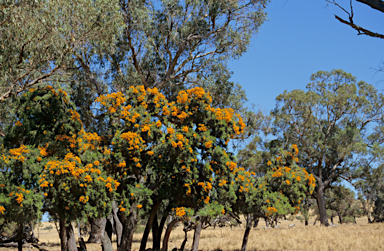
(2, 210)
(180, 211)
(18, 153)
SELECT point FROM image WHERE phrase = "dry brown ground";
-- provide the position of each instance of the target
(362, 236)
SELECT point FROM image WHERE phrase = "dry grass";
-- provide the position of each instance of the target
(362, 236)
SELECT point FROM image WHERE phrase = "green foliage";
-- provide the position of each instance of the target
(41, 39)
(281, 191)
(340, 201)
(370, 186)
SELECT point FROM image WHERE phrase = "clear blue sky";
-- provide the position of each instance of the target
(302, 37)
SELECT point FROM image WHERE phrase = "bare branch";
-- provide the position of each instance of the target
(360, 30)
(375, 4)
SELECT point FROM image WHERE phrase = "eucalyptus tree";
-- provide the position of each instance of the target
(370, 187)
(338, 125)
(40, 41)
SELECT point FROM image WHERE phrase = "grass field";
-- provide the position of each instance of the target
(362, 236)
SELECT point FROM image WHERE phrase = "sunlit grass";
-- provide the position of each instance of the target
(362, 236)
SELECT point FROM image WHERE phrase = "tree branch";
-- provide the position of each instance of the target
(360, 30)
(375, 4)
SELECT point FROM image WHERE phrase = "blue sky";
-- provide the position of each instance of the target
(302, 37)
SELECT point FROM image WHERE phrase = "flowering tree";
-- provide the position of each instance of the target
(173, 149)
(68, 160)
(20, 201)
(279, 192)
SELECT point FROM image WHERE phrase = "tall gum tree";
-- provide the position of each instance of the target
(338, 125)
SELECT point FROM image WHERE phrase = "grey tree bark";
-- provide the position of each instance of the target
(196, 237)
(97, 230)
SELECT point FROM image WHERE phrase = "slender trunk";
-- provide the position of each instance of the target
(148, 227)
(184, 241)
(332, 220)
(248, 228)
(97, 230)
(321, 205)
(129, 225)
(157, 241)
(196, 236)
(155, 233)
(314, 223)
(256, 222)
(340, 219)
(306, 222)
(20, 232)
(118, 225)
(370, 217)
(266, 222)
(168, 233)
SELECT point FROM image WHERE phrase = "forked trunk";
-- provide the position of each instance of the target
(97, 230)
(129, 225)
(196, 237)
(248, 228)
(157, 231)
(321, 205)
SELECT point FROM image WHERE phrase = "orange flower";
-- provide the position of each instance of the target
(139, 206)
(2, 209)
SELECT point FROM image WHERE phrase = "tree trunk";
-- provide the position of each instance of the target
(82, 245)
(157, 240)
(129, 225)
(71, 244)
(184, 241)
(321, 205)
(67, 236)
(97, 230)
(340, 219)
(148, 227)
(20, 232)
(155, 233)
(63, 235)
(168, 233)
(248, 228)
(332, 220)
(196, 237)
(256, 222)
(106, 242)
(118, 225)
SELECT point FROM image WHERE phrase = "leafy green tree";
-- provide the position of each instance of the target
(68, 160)
(279, 192)
(341, 202)
(338, 125)
(20, 200)
(173, 149)
(45, 41)
(370, 187)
